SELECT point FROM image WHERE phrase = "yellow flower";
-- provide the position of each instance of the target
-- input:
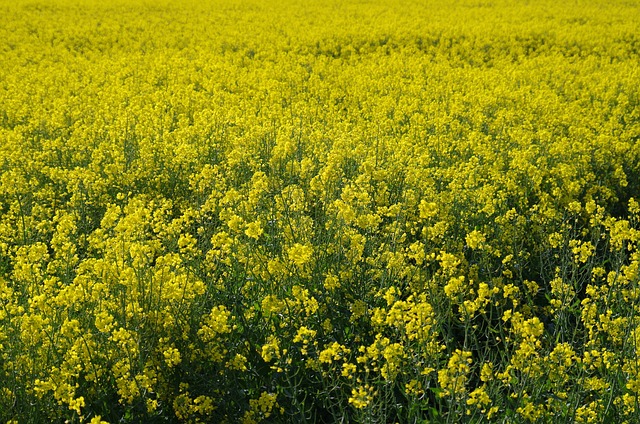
(238, 362)
(453, 379)
(172, 357)
(348, 369)
(333, 352)
(77, 404)
(271, 349)
(300, 254)
(331, 282)
(254, 230)
(361, 396)
(486, 374)
(475, 239)
(304, 335)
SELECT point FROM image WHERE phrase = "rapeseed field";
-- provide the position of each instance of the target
(366, 211)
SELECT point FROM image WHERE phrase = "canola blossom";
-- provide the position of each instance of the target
(319, 211)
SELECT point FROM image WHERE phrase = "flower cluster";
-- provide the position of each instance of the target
(352, 212)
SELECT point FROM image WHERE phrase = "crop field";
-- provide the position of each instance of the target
(341, 211)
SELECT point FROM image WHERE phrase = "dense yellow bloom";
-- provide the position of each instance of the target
(453, 379)
(300, 254)
(361, 396)
(260, 408)
(486, 374)
(172, 357)
(331, 282)
(217, 322)
(304, 335)
(271, 350)
(334, 352)
(355, 211)
(455, 286)
(254, 230)
(475, 239)
(529, 411)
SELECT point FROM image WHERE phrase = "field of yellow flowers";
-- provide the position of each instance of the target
(291, 211)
